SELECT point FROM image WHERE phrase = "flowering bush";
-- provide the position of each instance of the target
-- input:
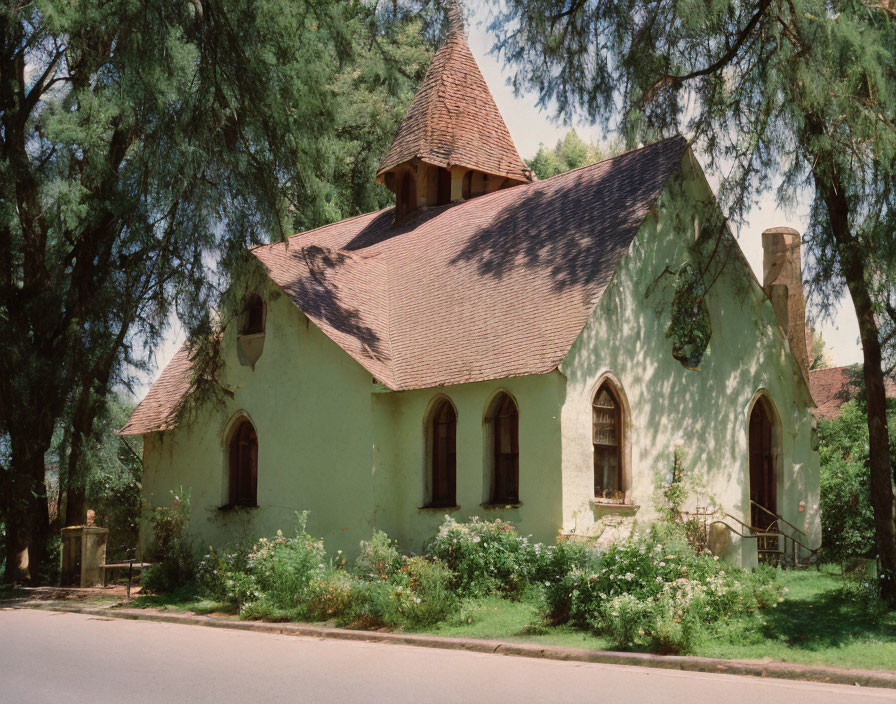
(223, 575)
(379, 559)
(485, 556)
(642, 592)
(283, 568)
(418, 595)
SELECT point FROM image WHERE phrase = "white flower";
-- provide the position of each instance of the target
(662, 564)
(659, 579)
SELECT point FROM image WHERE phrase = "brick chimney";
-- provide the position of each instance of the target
(782, 280)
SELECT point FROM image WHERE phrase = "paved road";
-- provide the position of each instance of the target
(57, 658)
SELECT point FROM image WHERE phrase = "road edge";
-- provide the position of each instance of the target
(687, 663)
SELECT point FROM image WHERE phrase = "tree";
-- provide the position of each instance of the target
(818, 353)
(142, 145)
(571, 152)
(801, 89)
(847, 519)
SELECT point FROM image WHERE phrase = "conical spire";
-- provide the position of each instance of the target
(453, 122)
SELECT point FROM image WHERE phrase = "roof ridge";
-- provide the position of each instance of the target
(615, 156)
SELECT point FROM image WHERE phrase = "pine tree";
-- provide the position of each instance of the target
(801, 89)
(143, 145)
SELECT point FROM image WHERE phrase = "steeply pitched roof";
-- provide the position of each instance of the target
(831, 388)
(453, 120)
(493, 287)
(158, 409)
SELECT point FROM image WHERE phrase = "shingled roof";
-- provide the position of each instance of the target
(158, 409)
(833, 387)
(493, 287)
(454, 121)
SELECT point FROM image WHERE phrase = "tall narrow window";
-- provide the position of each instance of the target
(443, 187)
(606, 416)
(244, 465)
(504, 419)
(443, 460)
(252, 319)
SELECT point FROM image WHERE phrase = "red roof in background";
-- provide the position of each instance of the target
(488, 288)
(454, 120)
(831, 388)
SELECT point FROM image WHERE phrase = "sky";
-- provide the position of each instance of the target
(529, 126)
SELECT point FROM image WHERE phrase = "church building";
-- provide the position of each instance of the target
(499, 346)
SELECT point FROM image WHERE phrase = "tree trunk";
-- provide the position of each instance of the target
(28, 515)
(883, 500)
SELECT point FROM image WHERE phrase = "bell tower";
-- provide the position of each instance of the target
(452, 143)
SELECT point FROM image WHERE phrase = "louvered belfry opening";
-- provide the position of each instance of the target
(606, 416)
(443, 460)
(505, 451)
(244, 465)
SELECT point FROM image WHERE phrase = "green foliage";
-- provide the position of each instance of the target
(847, 519)
(378, 559)
(223, 575)
(283, 568)
(689, 327)
(419, 595)
(644, 593)
(150, 143)
(571, 152)
(485, 556)
(171, 552)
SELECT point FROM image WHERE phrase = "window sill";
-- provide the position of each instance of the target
(614, 507)
(439, 509)
(501, 506)
(228, 508)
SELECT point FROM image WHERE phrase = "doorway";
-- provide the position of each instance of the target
(763, 472)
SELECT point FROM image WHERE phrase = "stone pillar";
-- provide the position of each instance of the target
(83, 554)
(783, 283)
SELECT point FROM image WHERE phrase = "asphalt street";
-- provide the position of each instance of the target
(58, 658)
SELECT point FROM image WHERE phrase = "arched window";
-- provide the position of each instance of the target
(505, 452)
(253, 316)
(443, 455)
(606, 431)
(243, 465)
(466, 189)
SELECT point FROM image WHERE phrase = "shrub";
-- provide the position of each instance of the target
(283, 568)
(418, 595)
(847, 519)
(171, 551)
(223, 575)
(485, 556)
(379, 559)
(646, 593)
(328, 596)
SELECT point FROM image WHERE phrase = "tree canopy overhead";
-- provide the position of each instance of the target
(142, 144)
(802, 91)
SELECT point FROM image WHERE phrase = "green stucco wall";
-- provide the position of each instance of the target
(704, 412)
(333, 442)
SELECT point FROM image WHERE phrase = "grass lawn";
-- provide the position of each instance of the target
(815, 624)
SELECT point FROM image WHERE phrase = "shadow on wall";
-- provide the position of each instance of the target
(703, 409)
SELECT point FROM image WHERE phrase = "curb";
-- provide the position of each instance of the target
(749, 668)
